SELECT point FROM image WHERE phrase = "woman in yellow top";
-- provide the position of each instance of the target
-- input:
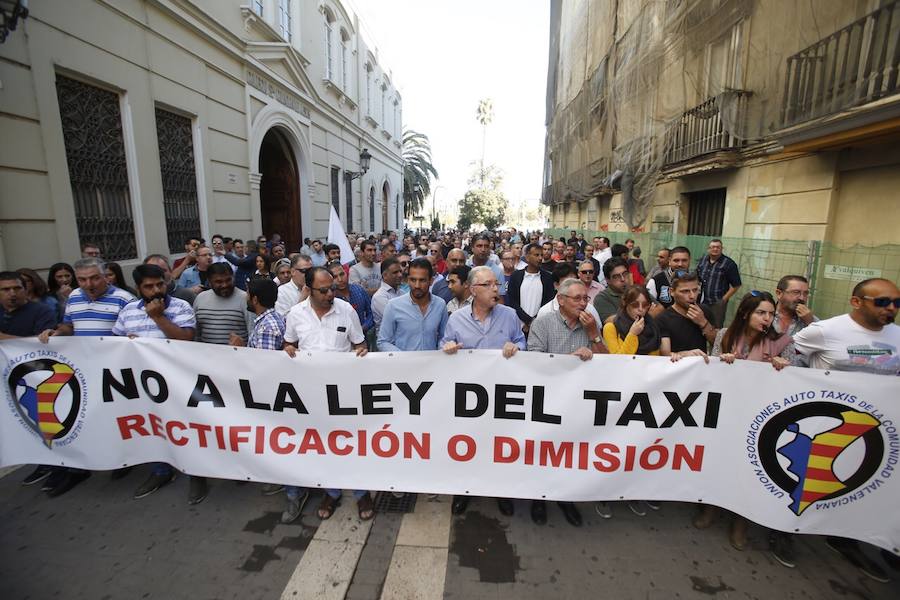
(632, 330)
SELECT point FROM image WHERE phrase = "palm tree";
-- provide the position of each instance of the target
(417, 171)
(484, 114)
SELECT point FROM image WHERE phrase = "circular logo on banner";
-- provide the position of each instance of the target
(831, 451)
(48, 397)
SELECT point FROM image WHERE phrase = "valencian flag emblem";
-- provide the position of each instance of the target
(48, 397)
(812, 458)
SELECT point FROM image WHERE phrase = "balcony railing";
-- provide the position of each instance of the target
(852, 66)
(706, 128)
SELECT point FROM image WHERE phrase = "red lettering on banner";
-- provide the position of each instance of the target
(181, 441)
(333, 442)
(235, 436)
(510, 445)
(131, 424)
(202, 429)
(555, 456)
(608, 462)
(157, 425)
(220, 436)
(275, 442)
(312, 441)
(422, 447)
(260, 446)
(469, 452)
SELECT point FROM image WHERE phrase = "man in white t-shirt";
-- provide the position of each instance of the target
(865, 340)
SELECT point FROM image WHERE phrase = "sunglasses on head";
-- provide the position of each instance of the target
(884, 301)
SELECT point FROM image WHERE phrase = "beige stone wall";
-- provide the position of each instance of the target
(827, 195)
(190, 58)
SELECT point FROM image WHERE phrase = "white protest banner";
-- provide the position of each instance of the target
(798, 450)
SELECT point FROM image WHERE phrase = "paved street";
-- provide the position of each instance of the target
(96, 542)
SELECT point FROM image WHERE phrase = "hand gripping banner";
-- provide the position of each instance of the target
(799, 450)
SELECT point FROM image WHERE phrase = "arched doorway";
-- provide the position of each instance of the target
(279, 190)
(385, 201)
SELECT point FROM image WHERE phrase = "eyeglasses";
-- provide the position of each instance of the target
(591, 272)
(583, 298)
(884, 301)
(492, 284)
(299, 270)
(617, 276)
(325, 290)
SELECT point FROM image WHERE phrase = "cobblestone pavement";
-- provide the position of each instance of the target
(96, 542)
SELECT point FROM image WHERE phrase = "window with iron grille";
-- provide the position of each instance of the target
(348, 193)
(179, 178)
(335, 190)
(98, 173)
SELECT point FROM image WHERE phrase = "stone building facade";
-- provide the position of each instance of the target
(136, 123)
(755, 119)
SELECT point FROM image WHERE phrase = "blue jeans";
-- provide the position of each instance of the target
(356, 493)
(162, 469)
(293, 492)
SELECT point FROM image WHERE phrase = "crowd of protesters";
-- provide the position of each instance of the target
(506, 290)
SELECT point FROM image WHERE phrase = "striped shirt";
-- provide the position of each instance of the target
(133, 319)
(218, 317)
(95, 317)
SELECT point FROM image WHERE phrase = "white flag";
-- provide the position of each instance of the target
(337, 236)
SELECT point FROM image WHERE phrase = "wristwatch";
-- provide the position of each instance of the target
(597, 340)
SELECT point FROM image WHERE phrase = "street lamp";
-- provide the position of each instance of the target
(10, 13)
(434, 202)
(364, 159)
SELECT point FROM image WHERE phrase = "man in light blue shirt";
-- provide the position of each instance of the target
(414, 321)
(484, 324)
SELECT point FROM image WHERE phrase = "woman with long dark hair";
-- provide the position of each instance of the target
(115, 276)
(749, 337)
(632, 329)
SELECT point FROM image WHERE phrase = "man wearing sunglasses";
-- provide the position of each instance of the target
(866, 340)
(294, 291)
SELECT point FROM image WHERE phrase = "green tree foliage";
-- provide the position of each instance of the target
(484, 202)
(418, 171)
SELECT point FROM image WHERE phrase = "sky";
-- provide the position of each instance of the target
(445, 56)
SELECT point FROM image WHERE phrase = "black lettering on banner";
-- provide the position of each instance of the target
(334, 402)
(713, 401)
(415, 397)
(537, 408)
(601, 403)
(681, 409)
(287, 397)
(127, 387)
(162, 391)
(369, 398)
(502, 400)
(204, 382)
(247, 393)
(639, 400)
(461, 397)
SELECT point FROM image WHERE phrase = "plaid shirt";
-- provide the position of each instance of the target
(359, 299)
(550, 333)
(268, 331)
(717, 277)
